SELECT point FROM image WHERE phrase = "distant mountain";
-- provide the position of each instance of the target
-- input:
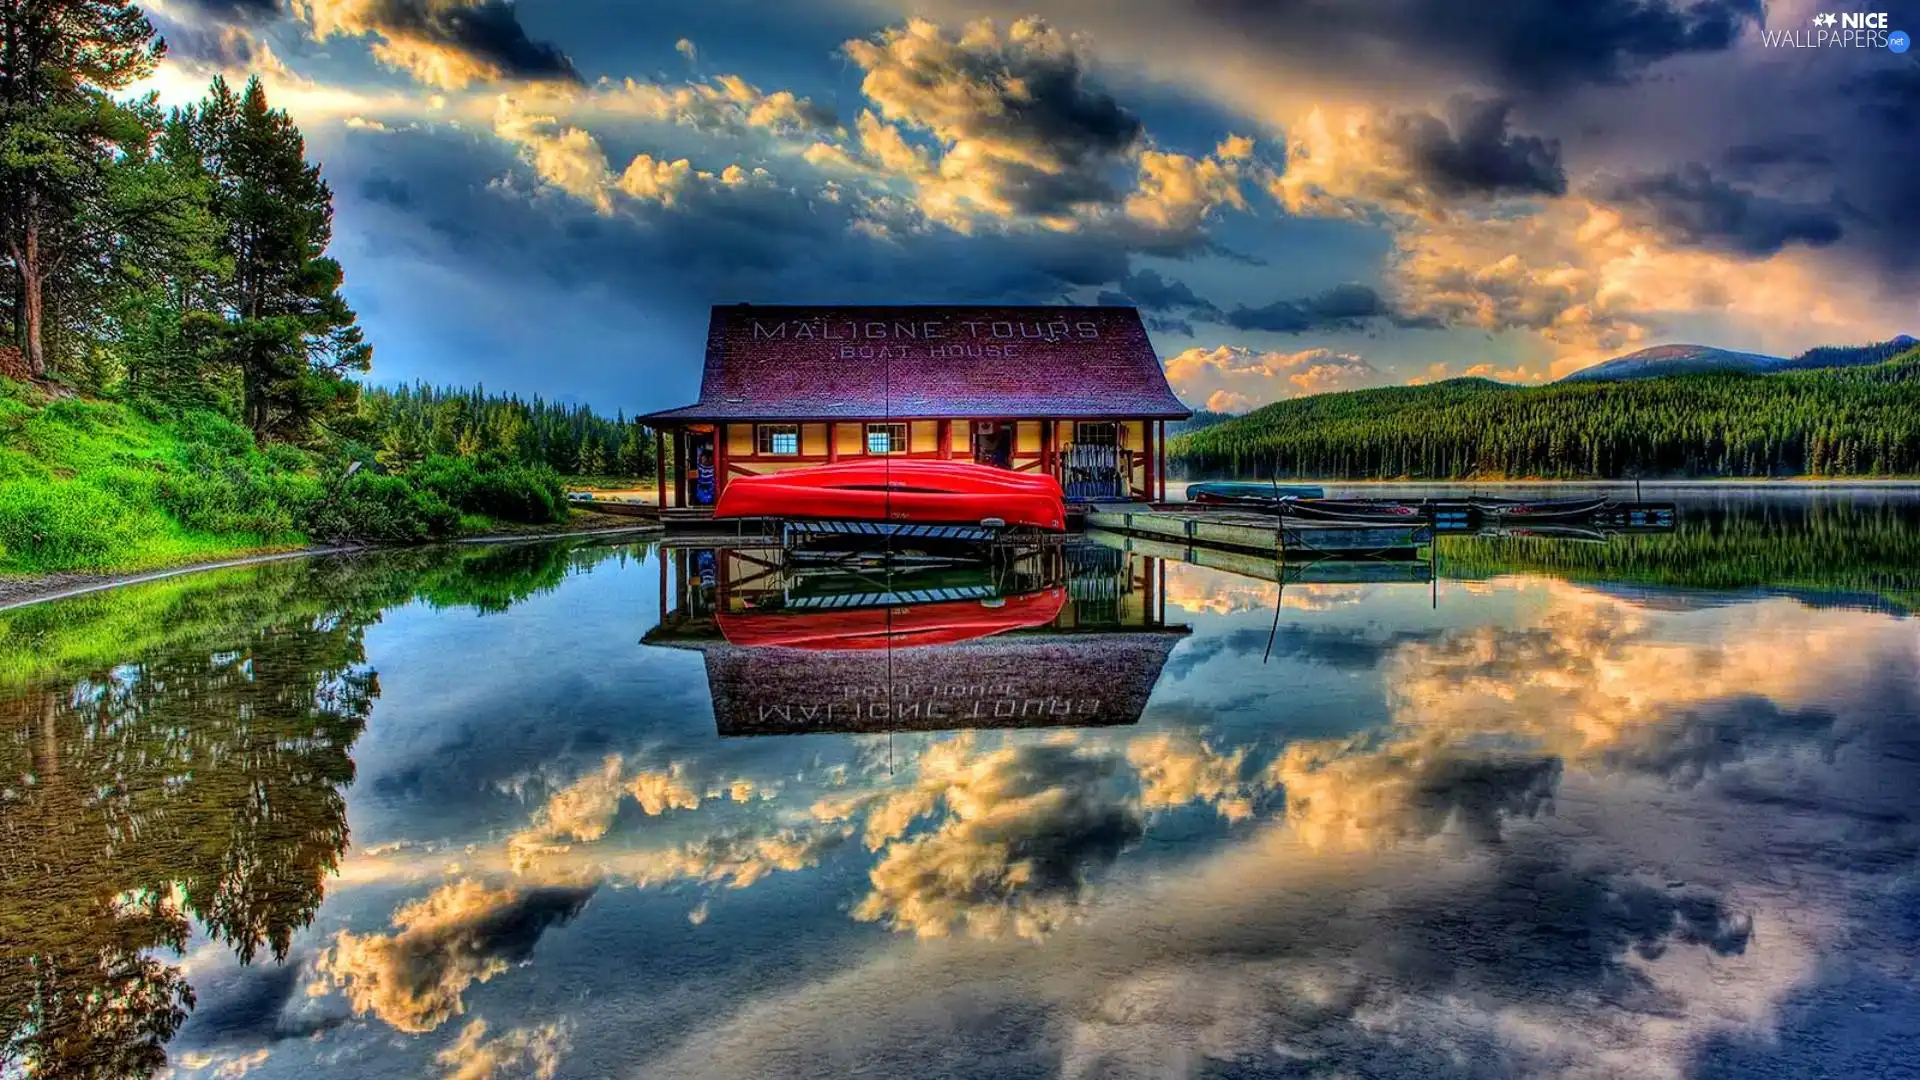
(1201, 418)
(1697, 359)
(1675, 360)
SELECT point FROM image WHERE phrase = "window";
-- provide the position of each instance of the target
(778, 439)
(1097, 433)
(886, 438)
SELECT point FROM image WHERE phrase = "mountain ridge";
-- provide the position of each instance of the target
(1687, 359)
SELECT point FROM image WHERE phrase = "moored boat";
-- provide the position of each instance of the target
(1344, 510)
(883, 490)
(1236, 491)
(1506, 510)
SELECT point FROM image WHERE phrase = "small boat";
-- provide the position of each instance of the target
(1507, 510)
(911, 491)
(943, 622)
(1226, 491)
(1372, 513)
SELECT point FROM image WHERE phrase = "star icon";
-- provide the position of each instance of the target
(1824, 19)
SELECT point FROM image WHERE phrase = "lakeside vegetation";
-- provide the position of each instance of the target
(185, 367)
(1852, 422)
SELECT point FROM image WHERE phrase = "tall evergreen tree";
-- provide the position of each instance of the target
(61, 134)
(282, 322)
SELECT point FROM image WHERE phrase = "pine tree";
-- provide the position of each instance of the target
(282, 322)
(61, 133)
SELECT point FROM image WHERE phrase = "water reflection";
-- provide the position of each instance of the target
(1064, 637)
(1581, 818)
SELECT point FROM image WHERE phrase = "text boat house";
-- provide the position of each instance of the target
(1073, 391)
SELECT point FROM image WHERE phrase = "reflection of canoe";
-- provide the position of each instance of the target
(942, 623)
(1547, 532)
(1245, 492)
(1505, 510)
(886, 490)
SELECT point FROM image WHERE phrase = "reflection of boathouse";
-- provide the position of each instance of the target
(1072, 637)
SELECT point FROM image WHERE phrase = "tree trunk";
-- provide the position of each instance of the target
(26, 257)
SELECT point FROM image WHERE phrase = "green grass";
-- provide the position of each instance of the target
(106, 486)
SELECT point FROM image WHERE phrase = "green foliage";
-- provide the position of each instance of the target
(412, 422)
(502, 489)
(68, 524)
(1862, 421)
(383, 508)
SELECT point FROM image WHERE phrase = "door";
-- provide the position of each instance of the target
(705, 479)
(993, 443)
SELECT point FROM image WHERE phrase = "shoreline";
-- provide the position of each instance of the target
(19, 592)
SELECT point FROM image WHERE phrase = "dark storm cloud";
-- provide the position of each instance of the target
(1689, 205)
(486, 34)
(236, 11)
(1528, 47)
(1476, 154)
(1150, 292)
(1350, 306)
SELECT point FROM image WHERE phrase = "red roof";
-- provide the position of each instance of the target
(854, 363)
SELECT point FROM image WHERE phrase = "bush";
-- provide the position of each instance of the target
(504, 491)
(382, 508)
(64, 525)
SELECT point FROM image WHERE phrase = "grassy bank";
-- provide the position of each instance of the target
(112, 486)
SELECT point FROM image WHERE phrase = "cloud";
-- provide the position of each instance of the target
(1020, 130)
(583, 811)
(1231, 378)
(1175, 194)
(723, 104)
(1347, 307)
(1026, 825)
(1689, 205)
(449, 44)
(461, 933)
(570, 160)
(1177, 770)
(1149, 291)
(521, 1052)
(1370, 161)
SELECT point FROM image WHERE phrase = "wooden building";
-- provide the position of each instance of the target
(1073, 391)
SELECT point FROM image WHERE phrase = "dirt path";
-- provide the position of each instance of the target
(21, 591)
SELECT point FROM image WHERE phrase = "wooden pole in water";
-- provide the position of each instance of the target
(660, 467)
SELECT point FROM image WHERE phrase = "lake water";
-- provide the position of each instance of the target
(1642, 808)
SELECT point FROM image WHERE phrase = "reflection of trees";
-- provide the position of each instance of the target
(1837, 545)
(188, 762)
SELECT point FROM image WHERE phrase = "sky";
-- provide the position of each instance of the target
(1300, 195)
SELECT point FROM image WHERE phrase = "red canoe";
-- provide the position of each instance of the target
(920, 492)
(941, 623)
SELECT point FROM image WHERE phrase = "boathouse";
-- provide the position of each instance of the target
(1073, 391)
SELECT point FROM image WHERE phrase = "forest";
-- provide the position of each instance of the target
(184, 376)
(1860, 421)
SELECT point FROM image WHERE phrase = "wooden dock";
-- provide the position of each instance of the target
(1264, 534)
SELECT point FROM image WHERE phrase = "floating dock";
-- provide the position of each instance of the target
(1263, 533)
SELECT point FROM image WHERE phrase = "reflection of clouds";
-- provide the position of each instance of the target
(461, 933)
(1339, 798)
(1200, 590)
(1177, 769)
(583, 810)
(1024, 826)
(521, 1052)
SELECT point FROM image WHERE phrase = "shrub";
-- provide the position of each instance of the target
(382, 508)
(504, 491)
(199, 428)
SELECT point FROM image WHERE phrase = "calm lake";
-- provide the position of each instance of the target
(1647, 806)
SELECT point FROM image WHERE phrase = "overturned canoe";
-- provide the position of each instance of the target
(884, 490)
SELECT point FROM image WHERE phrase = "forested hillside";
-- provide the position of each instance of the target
(1862, 421)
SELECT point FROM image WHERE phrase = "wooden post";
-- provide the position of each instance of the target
(1146, 464)
(833, 443)
(1162, 470)
(660, 482)
(1046, 447)
(719, 460)
(680, 467)
(946, 439)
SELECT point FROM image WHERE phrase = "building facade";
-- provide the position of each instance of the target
(1076, 392)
